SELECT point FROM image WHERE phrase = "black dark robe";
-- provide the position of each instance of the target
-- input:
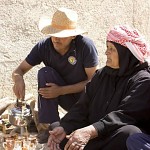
(114, 98)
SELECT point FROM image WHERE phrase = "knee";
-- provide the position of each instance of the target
(45, 69)
(130, 129)
(126, 131)
(45, 75)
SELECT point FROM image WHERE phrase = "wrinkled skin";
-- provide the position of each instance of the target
(55, 138)
(77, 140)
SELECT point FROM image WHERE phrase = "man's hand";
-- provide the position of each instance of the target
(17, 76)
(19, 87)
(55, 138)
(79, 138)
(52, 91)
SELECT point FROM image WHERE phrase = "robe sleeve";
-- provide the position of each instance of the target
(133, 109)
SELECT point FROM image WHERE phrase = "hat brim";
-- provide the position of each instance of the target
(46, 28)
(49, 30)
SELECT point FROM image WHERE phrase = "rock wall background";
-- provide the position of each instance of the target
(19, 29)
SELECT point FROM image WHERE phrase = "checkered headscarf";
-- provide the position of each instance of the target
(130, 38)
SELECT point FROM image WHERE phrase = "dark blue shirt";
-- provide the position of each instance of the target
(71, 66)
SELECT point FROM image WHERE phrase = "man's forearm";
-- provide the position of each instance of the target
(75, 88)
(16, 75)
(21, 70)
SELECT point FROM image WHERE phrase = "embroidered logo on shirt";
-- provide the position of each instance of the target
(72, 60)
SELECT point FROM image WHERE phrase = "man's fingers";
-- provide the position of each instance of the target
(50, 84)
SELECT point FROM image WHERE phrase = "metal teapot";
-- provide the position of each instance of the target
(20, 115)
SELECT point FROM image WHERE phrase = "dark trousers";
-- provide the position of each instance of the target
(138, 141)
(48, 108)
(114, 141)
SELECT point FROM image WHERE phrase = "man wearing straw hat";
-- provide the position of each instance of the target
(70, 59)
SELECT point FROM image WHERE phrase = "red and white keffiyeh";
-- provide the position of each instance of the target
(130, 38)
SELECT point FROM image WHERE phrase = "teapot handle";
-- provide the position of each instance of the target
(17, 102)
(22, 102)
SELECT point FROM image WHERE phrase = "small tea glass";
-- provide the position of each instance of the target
(26, 145)
(18, 145)
(9, 143)
(1, 141)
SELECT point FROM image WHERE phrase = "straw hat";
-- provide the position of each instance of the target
(63, 24)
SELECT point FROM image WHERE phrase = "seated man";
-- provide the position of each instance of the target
(115, 103)
(70, 58)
